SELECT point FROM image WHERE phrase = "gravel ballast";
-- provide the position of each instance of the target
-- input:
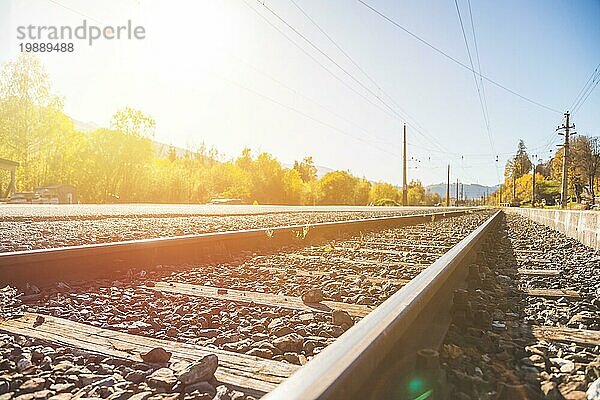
(28, 233)
(490, 351)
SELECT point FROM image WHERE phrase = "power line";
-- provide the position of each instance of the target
(336, 45)
(484, 110)
(324, 54)
(577, 108)
(298, 93)
(304, 114)
(462, 27)
(482, 86)
(478, 61)
(75, 11)
(583, 89)
(391, 112)
(317, 61)
(448, 56)
(395, 113)
(589, 88)
(411, 121)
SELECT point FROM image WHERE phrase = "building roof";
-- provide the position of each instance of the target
(55, 187)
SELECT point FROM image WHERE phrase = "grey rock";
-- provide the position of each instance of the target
(289, 343)
(201, 370)
(593, 392)
(162, 378)
(260, 352)
(340, 318)
(62, 387)
(222, 393)
(42, 394)
(32, 385)
(202, 387)
(141, 396)
(62, 396)
(135, 376)
(312, 296)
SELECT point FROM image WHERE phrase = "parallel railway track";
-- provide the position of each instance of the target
(296, 312)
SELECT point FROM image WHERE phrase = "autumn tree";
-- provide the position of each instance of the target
(415, 194)
(516, 167)
(306, 168)
(133, 122)
(122, 163)
(362, 188)
(382, 192)
(31, 118)
(337, 187)
(585, 161)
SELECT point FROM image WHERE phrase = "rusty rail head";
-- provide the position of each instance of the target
(374, 359)
(45, 266)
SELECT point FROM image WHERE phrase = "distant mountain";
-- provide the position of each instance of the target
(472, 190)
(85, 126)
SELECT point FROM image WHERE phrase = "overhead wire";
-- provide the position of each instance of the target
(478, 61)
(589, 88)
(311, 100)
(453, 59)
(343, 82)
(411, 121)
(304, 114)
(479, 94)
(395, 113)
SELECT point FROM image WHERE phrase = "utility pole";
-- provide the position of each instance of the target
(448, 189)
(404, 183)
(456, 192)
(533, 181)
(500, 198)
(565, 172)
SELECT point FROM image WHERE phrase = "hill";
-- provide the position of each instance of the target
(472, 190)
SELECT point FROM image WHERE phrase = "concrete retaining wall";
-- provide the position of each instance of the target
(581, 225)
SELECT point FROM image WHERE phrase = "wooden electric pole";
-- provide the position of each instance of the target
(533, 181)
(456, 203)
(564, 194)
(500, 197)
(448, 189)
(404, 183)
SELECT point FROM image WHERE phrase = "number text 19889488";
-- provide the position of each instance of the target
(46, 47)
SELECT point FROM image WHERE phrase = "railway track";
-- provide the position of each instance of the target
(336, 310)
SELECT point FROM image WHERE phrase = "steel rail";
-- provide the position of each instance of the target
(45, 266)
(375, 358)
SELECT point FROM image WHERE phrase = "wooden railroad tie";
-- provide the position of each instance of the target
(553, 293)
(358, 261)
(434, 245)
(570, 335)
(528, 251)
(304, 272)
(539, 272)
(534, 260)
(246, 372)
(267, 299)
(391, 252)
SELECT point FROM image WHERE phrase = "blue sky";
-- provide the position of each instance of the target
(217, 72)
